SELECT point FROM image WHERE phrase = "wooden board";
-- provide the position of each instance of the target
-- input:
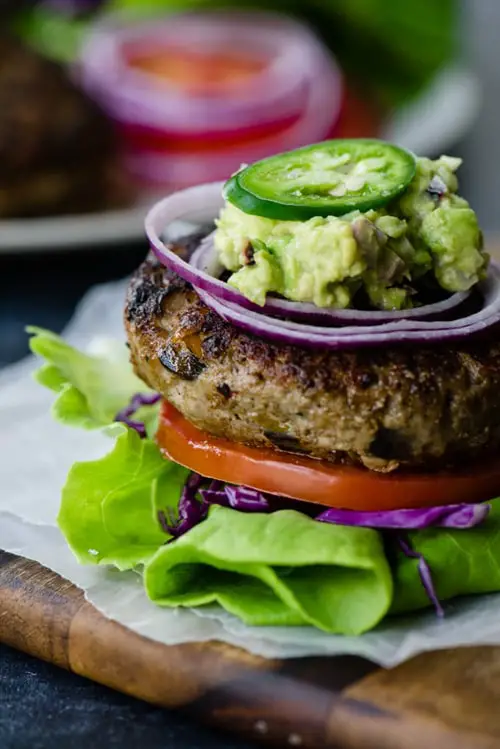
(447, 700)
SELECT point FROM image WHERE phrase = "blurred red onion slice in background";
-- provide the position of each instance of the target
(187, 125)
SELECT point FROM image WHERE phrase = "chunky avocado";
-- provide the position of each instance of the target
(429, 232)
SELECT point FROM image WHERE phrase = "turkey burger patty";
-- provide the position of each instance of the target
(386, 409)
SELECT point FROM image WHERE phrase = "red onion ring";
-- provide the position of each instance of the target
(402, 331)
(301, 78)
(205, 259)
(201, 205)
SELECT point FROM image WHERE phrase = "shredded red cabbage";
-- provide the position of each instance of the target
(199, 493)
(192, 510)
(136, 402)
(189, 507)
(214, 494)
(425, 574)
(450, 516)
(246, 500)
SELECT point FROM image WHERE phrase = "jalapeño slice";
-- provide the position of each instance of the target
(326, 179)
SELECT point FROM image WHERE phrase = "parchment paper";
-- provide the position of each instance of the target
(35, 455)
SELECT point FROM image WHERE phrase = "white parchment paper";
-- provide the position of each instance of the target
(35, 455)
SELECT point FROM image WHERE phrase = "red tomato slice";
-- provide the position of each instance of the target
(317, 481)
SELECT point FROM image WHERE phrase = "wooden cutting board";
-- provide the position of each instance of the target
(445, 700)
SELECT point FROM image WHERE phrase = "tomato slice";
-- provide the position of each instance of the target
(316, 481)
(326, 179)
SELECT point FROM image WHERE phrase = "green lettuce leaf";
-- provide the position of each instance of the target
(286, 569)
(462, 562)
(91, 389)
(279, 569)
(108, 509)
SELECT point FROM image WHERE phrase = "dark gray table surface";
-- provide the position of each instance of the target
(41, 706)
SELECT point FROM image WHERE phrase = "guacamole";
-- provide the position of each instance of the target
(429, 232)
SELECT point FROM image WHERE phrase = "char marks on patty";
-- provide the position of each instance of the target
(418, 408)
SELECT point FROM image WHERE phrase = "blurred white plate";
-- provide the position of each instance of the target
(435, 122)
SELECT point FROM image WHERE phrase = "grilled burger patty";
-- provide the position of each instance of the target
(57, 149)
(382, 408)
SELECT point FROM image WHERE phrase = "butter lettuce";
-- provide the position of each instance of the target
(279, 569)
(462, 563)
(107, 510)
(91, 389)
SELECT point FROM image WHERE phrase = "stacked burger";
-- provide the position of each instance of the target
(325, 363)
